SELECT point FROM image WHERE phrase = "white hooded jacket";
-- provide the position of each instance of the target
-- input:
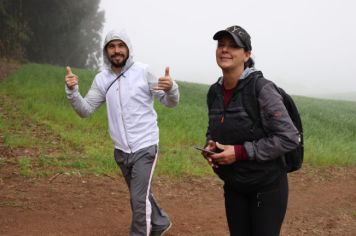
(129, 100)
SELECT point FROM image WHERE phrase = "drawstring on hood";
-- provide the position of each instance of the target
(120, 35)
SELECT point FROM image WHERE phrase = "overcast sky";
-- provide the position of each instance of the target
(305, 46)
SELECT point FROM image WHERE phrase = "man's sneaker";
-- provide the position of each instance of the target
(162, 231)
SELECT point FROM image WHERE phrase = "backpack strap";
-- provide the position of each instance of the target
(250, 98)
(118, 77)
(215, 92)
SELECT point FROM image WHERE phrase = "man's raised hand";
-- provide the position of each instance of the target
(71, 79)
(165, 82)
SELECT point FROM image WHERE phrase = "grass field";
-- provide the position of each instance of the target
(37, 116)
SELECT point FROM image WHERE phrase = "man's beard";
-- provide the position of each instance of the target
(117, 65)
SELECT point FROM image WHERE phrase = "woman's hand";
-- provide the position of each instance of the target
(226, 157)
(211, 147)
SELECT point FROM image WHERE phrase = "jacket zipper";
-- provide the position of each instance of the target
(222, 119)
(122, 117)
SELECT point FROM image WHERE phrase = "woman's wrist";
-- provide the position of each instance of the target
(240, 153)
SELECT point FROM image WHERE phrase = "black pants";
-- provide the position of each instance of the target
(257, 212)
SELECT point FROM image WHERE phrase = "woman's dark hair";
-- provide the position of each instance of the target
(249, 63)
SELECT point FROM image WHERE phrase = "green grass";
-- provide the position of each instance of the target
(25, 166)
(37, 115)
(330, 131)
(9, 203)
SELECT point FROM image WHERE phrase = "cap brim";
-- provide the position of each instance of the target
(222, 33)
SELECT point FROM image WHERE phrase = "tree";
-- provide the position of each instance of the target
(59, 32)
(13, 30)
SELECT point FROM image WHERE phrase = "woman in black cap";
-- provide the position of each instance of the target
(248, 153)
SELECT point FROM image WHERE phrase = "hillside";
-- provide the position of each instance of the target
(57, 176)
(347, 96)
(34, 98)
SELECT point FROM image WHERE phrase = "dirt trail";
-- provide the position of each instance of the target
(322, 202)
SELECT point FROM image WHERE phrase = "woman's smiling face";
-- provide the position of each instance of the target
(229, 55)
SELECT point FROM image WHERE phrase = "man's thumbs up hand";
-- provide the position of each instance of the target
(71, 79)
(69, 70)
(165, 83)
(166, 72)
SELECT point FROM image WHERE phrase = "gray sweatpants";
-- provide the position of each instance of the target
(138, 168)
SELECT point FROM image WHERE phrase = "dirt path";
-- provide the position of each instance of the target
(322, 202)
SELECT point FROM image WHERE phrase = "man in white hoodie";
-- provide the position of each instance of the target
(129, 88)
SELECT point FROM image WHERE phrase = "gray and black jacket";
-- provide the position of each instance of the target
(275, 136)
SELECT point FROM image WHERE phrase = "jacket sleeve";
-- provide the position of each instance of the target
(282, 135)
(87, 105)
(170, 98)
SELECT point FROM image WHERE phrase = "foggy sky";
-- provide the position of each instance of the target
(305, 46)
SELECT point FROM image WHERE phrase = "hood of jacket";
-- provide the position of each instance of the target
(121, 35)
(244, 75)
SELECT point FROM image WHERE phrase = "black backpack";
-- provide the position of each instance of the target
(292, 160)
